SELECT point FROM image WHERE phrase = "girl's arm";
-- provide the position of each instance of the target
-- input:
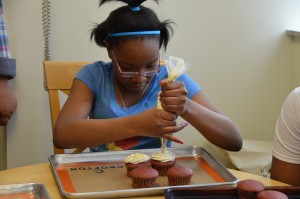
(73, 128)
(201, 114)
(212, 124)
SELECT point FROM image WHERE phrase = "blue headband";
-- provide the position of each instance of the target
(121, 34)
(135, 9)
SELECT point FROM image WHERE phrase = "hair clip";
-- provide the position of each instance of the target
(135, 9)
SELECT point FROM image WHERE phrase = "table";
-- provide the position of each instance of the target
(42, 173)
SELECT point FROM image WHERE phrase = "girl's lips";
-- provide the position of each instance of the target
(138, 87)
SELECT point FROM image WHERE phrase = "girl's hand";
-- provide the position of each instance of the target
(173, 96)
(159, 123)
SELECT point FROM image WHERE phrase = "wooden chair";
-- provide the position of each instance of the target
(59, 77)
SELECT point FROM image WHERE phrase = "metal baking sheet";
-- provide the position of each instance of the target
(103, 174)
(24, 191)
(222, 192)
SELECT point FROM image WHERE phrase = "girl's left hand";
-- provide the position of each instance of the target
(173, 96)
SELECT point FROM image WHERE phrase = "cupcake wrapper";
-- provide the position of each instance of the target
(247, 194)
(173, 181)
(143, 183)
(162, 170)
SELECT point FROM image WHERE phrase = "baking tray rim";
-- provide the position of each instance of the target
(24, 187)
(141, 191)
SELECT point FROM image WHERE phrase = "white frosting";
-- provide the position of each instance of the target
(163, 157)
(176, 71)
(136, 158)
(176, 66)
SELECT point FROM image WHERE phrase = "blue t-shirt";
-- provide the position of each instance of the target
(98, 77)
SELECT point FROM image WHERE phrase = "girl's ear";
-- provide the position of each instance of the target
(108, 48)
(109, 53)
(105, 42)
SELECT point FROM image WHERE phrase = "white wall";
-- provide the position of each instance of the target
(239, 51)
(296, 60)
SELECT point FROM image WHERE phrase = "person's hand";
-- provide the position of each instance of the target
(8, 102)
(173, 96)
(159, 123)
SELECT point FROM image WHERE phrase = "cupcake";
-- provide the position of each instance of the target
(162, 161)
(136, 160)
(178, 175)
(143, 177)
(248, 189)
(271, 194)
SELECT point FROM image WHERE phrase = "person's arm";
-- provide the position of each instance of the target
(73, 129)
(285, 172)
(8, 102)
(201, 114)
(286, 145)
(212, 124)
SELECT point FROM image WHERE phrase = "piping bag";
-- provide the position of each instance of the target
(176, 67)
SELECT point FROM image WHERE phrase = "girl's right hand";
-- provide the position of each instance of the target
(159, 123)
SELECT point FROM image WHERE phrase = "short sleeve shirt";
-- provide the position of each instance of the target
(286, 146)
(7, 64)
(99, 79)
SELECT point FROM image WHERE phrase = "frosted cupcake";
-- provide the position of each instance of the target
(136, 160)
(162, 161)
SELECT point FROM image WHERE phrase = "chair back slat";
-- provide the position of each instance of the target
(59, 77)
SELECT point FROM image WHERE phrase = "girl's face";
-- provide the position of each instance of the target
(135, 55)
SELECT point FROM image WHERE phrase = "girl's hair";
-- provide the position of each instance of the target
(125, 19)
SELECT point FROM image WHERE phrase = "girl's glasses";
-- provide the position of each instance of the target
(134, 74)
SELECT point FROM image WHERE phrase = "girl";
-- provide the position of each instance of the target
(120, 97)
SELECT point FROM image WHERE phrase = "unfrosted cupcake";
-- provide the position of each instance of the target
(143, 177)
(248, 189)
(162, 161)
(178, 175)
(136, 160)
(271, 194)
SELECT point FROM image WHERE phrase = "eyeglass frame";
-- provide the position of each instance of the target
(134, 74)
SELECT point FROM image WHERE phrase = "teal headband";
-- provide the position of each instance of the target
(122, 34)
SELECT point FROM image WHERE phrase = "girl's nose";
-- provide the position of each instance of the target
(139, 78)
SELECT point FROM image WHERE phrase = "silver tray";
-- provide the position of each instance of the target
(115, 159)
(24, 191)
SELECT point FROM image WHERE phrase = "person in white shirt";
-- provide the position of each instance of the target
(286, 147)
